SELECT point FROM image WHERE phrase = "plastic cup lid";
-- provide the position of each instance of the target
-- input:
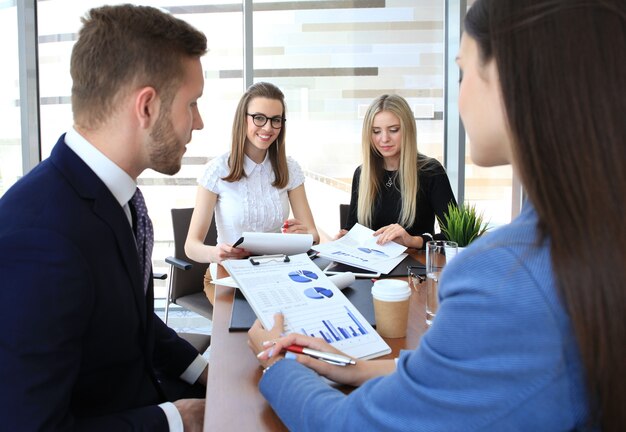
(391, 290)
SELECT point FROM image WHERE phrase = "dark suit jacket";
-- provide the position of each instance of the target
(79, 341)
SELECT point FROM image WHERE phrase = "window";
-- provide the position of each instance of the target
(10, 133)
(331, 59)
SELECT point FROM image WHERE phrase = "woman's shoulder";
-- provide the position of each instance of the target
(429, 164)
(296, 175)
(215, 169)
(430, 170)
(513, 249)
(220, 162)
(293, 164)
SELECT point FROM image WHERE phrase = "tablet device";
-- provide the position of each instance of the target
(335, 267)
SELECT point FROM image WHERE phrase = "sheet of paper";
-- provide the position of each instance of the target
(358, 248)
(341, 281)
(226, 281)
(275, 243)
(310, 302)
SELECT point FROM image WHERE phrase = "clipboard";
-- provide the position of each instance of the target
(311, 303)
(242, 316)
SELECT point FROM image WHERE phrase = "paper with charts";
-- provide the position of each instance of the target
(310, 302)
(358, 248)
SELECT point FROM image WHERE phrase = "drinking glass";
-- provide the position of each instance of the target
(436, 252)
(416, 278)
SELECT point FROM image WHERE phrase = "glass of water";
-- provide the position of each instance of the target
(436, 252)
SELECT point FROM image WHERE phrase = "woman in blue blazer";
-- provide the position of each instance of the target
(530, 333)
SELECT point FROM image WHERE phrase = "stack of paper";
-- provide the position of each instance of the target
(358, 248)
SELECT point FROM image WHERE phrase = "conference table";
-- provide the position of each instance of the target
(233, 401)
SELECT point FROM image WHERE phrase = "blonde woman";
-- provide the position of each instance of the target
(397, 191)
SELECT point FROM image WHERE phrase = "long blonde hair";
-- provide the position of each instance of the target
(373, 164)
(277, 151)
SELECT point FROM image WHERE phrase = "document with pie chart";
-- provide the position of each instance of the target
(358, 248)
(310, 302)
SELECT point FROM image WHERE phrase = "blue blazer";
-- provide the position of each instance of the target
(80, 345)
(500, 356)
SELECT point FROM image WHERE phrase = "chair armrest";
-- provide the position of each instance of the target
(161, 276)
(178, 263)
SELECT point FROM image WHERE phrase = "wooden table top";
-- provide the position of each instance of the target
(233, 400)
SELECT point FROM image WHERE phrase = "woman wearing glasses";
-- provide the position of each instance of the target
(252, 187)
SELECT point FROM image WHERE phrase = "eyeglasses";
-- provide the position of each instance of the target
(260, 120)
(416, 276)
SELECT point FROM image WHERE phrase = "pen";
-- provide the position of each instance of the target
(336, 359)
(238, 242)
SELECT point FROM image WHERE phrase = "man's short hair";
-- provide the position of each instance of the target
(122, 48)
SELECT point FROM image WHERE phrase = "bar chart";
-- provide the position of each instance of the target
(338, 328)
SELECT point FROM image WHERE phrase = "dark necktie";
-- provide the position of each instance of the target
(144, 236)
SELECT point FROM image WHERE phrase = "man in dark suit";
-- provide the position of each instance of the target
(80, 345)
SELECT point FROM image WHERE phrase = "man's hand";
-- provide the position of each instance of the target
(202, 379)
(192, 413)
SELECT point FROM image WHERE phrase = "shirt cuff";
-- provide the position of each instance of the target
(195, 369)
(174, 420)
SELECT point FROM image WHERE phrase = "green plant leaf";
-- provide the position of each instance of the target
(462, 224)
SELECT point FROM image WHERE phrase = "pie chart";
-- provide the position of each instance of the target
(372, 251)
(318, 293)
(302, 276)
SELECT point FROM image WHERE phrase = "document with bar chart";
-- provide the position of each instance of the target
(310, 302)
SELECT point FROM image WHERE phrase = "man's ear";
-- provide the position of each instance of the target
(147, 105)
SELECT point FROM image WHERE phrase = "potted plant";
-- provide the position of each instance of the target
(462, 224)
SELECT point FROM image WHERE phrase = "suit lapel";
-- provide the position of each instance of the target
(89, 187)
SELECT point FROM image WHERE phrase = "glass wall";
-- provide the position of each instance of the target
(490, 189)
(10, 141)
(59, 22)
(331, 58)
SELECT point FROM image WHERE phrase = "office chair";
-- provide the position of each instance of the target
(199, 341)
(344, 211)
(186, 287)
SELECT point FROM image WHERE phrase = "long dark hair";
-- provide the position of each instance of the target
(562, 68)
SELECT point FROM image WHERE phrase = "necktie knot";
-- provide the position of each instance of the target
(144, 236)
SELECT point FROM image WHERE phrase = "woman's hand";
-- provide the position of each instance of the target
(340, 234)
(222, 252)
(270, 349)
(397, 233)
(294, 226)
(258, 338)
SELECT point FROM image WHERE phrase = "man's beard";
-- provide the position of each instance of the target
(165, 153)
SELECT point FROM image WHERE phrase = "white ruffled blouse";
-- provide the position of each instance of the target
(251, 204)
